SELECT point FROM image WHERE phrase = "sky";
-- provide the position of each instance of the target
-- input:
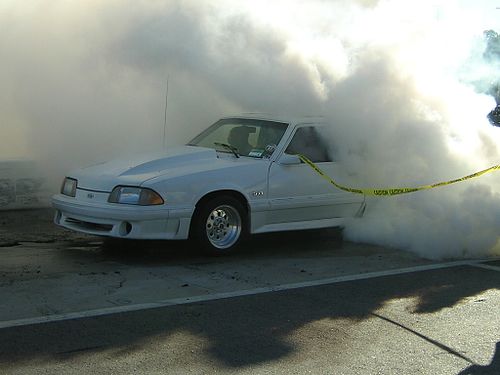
(402, 83)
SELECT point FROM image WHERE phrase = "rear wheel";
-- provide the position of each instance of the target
(219, 225)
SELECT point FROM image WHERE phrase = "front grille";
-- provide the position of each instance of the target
(89, 226)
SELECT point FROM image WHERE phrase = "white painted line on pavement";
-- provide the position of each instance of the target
(486, 266)
(238, 293)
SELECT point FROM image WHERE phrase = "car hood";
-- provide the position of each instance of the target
(141, 168)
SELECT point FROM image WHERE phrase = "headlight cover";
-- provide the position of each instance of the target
(69, 187)
(135, 195)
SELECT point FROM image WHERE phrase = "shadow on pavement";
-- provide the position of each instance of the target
(492, 369)
(161, 253)
(250, 330)
(240, 331)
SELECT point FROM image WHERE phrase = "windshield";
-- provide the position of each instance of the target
(246, 137)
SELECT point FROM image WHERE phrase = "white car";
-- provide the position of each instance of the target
(239, 176)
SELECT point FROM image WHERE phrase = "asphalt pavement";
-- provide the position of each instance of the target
(296, 304)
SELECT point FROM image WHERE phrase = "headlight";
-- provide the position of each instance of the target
(69, 187)
(135, 195)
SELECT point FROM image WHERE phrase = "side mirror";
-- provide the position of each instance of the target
(287, 159)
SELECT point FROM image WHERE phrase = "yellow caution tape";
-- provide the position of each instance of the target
(392, 191)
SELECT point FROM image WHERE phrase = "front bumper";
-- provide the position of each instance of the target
(122, 221)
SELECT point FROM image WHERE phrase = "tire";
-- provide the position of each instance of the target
(219, 225)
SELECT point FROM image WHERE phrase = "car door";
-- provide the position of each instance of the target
(297, 193)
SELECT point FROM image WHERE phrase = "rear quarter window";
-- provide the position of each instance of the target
(308, 142)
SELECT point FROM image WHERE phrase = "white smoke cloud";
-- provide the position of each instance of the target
(85, 81)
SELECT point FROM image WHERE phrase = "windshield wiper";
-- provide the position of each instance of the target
(233, 149)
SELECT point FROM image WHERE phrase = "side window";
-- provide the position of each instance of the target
(307, 141)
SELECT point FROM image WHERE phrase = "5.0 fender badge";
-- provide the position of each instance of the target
(257, 193)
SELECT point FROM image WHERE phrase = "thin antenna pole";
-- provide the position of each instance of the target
(165, 117)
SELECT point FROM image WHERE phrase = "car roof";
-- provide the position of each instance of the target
(280, 118)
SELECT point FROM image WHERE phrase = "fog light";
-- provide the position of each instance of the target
(125, 228)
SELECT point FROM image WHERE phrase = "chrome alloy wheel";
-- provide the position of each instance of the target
(223, 226)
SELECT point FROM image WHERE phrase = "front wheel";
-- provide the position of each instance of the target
(219, 225)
